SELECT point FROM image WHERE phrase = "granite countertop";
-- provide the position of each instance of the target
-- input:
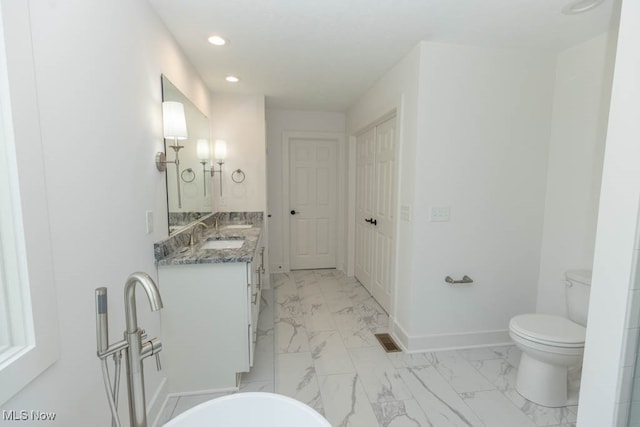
(175, 250)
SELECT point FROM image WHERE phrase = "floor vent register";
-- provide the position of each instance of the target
(387, 343)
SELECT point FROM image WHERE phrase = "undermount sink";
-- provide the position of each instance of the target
(222, 244)
(238, 226)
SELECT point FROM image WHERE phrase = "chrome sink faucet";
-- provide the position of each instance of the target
(193, 238)
(217, 223)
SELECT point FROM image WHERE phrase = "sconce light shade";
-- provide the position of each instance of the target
(220, 150)
(203, 149)
(174, 123)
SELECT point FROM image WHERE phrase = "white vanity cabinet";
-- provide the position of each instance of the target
(209, 322)
(255, 284)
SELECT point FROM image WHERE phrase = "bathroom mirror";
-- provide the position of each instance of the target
(195, 187)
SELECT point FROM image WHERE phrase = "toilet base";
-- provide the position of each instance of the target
(542, 383)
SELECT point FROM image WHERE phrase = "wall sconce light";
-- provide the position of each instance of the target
(202, 150)
(175, 127)
(219, 153)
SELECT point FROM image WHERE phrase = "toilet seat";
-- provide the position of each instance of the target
(549, 330)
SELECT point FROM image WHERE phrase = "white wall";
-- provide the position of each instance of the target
(99, 103)
(474, 132)
(580, 110)
(615, 237)
(279, 121)
(482, 151)
(240, 121)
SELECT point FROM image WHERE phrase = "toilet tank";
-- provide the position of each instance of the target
(578, 286)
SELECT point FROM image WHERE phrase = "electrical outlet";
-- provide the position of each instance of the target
(440, 214)
(149, 219)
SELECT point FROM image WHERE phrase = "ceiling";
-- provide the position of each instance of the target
(323, 55)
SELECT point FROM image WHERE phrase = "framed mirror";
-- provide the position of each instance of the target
(192, 199)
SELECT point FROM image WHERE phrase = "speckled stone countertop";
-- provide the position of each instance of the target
(175, 250)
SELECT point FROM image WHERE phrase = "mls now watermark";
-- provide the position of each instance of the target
(31, 415)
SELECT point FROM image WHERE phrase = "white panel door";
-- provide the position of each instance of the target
(384, 213)
(365, 200)
(375, 210)
(312, 197)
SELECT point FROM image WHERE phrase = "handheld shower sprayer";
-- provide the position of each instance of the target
(102, 343)
(102, 320)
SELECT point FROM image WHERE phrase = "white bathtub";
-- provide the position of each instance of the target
(248, 410)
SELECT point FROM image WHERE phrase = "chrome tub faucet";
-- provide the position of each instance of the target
(136, 350)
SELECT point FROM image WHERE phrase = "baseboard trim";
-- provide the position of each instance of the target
(156, 405)
(399, 334)
(437, 342)
(206, 391)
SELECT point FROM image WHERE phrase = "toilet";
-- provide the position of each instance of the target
(551, 345)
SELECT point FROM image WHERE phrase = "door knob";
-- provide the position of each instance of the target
(373, 221)
(293, 212)
(369, 220)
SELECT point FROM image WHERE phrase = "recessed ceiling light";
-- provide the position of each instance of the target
(217, 40)
(232, 79)
(580, 6)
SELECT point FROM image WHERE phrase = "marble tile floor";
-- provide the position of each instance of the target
(316, 344)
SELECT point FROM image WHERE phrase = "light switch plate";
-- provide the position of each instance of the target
(149, 219)
(440, 214)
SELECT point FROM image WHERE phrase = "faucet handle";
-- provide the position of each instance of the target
(153, 347)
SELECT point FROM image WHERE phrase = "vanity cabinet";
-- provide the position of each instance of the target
(256, 279)
(209, 321)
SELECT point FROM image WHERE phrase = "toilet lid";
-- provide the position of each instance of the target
(547, 328)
